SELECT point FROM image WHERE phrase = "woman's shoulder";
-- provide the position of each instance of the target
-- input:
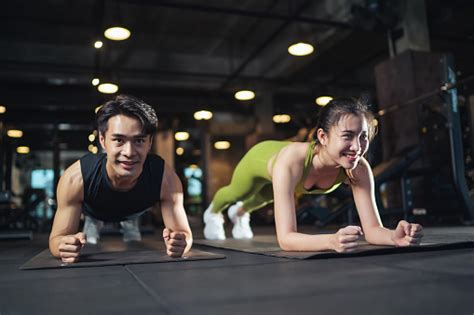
(362, 170)
(294, 151)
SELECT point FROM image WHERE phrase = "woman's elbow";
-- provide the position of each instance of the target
(284, 243)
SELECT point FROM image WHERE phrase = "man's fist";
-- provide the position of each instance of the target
(175, 242)
(70, 246)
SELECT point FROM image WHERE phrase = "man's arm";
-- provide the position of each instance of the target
(177, 233)
(64, 241)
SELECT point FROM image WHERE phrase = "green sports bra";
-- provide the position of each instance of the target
(299, 189)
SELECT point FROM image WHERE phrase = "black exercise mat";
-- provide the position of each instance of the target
(115, 252)
(268, 245)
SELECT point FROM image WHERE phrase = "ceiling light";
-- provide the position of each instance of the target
(13, 133)
(202, 115)
(108, 88)
(3, 109)
(98, 108)
(181, 136)
(117, 33)
(281, 119)
(179, 151)
(323, 100)
(22, 150)
(91, 137)
(375, 122)
(222, 145)
(244, 95)
(300, 49)
(98, 44)
(95, 81)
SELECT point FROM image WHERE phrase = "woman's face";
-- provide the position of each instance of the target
(348, 140)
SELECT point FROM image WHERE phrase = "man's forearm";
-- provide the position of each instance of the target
(54, 245)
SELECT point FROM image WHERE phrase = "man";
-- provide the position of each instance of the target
(121, 183)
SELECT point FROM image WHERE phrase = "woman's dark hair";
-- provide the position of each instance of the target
(330, 114)
(131, 107)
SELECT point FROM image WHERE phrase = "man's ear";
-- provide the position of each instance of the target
(102, 140)
(151, 143)
(322, 136)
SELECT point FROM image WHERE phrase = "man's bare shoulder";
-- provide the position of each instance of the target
(71, 182)
(73, 174)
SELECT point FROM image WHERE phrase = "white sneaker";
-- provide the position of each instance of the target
(92, 229)
(130, 230)
(213, 225)
(241, 229)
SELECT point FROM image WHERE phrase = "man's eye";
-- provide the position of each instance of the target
(140, 141)
(117, 140)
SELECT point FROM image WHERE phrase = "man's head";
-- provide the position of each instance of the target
(126, 126)
(131, 107)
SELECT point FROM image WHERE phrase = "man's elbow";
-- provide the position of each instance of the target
(53, 248)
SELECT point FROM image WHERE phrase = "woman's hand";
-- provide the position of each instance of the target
(407, 234)
(345, 240)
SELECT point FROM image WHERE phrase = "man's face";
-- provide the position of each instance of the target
(126, 146)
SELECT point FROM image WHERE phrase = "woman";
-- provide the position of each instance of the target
(273, 171)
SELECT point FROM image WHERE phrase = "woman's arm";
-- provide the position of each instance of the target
(364, 196)
(287, 171)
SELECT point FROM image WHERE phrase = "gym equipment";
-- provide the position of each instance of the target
(15, 222)
(452, 189)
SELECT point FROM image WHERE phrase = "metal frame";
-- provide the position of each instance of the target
(450, 97)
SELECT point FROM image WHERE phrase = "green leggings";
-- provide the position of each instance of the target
(250, 182)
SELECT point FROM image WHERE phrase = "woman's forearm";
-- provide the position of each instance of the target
(295, 241)
(379, 236)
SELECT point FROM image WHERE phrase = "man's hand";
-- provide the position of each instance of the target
(345, 240)
(407, 234)
(70, 246)
(175, 242)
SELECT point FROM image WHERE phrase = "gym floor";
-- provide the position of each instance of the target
(435, 282)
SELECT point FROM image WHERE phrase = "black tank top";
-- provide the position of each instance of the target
(103, 202)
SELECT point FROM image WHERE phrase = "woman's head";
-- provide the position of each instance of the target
(345, 128)
(331, 114)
